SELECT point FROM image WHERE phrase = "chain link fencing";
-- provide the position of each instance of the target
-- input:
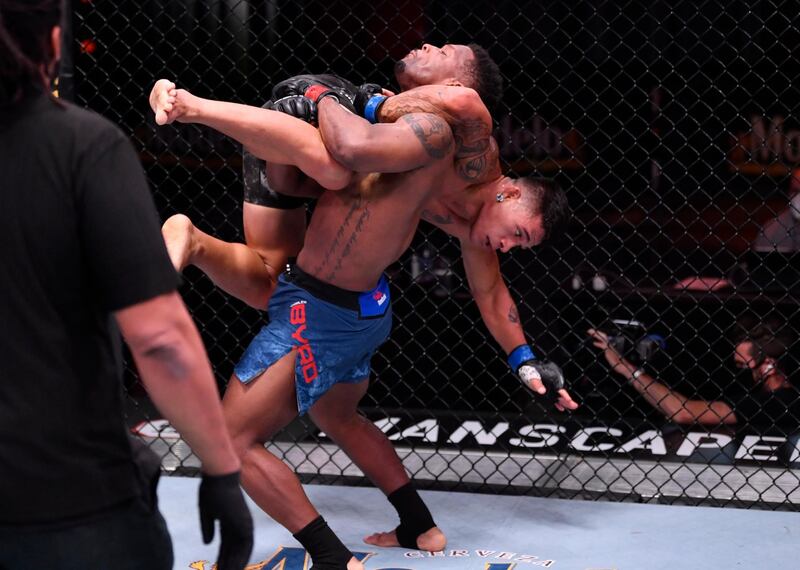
(672, 127)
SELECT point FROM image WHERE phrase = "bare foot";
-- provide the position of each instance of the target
(354, 564)
(432, 540)
(178, 232)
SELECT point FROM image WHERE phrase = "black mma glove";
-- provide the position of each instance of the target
(325, 85)
(221, 499)
(297, 106)
(528, 368)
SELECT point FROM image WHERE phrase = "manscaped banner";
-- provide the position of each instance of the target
(463, 431)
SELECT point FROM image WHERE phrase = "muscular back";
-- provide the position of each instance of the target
(356, 233)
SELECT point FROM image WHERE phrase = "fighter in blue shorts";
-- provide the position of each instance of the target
(334, 332)
(357, 230)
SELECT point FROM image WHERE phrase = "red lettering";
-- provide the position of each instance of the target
(297, 314)
(310, 372)
(298, 334)
(306, 356)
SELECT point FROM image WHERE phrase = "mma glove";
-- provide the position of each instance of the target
(528, 368)
(364, 100)
(368, 100)
(221, 499)
(317, 87)
(297, 106)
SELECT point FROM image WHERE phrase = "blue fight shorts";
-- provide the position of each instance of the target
(335, 333)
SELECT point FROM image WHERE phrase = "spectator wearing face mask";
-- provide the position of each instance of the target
(768, 399)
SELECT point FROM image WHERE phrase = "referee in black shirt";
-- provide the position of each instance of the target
(80, 255)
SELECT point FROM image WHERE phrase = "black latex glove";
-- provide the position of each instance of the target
(221, 499)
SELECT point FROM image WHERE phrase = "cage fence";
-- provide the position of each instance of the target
(673, 129)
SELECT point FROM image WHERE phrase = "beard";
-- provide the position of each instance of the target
(405, 75)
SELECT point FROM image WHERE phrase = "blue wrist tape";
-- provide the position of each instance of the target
(519, 355)
(372, 107)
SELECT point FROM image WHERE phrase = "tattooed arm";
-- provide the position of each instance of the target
(477, 157)
(412, 142)
(492, 296)
(476, 153)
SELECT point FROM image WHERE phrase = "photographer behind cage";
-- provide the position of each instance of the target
(766, 399)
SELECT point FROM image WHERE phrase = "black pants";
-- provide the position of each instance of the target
(130, 537)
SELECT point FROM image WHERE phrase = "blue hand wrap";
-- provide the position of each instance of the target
(372, 107)
(521, 354)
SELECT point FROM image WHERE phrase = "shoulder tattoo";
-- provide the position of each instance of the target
(432, 132)
(473, 149)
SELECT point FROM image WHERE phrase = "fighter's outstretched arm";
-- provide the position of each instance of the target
(269, 135)
(498, 310)
(415, 140)
(499, 313)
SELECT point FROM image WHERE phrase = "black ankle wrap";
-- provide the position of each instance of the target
(415, 518)
(326, 550)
